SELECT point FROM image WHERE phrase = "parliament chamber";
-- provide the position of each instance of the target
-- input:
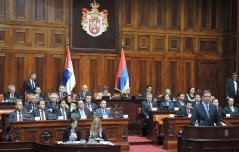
(168, 44)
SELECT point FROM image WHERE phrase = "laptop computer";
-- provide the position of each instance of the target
(105, 97)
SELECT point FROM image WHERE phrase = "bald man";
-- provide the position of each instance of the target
(83, 93)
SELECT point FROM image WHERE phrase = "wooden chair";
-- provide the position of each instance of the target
(27, 96)
(116, 95)
(74, 97)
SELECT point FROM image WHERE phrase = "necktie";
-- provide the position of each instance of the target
(82, 112)
(33, 106)
(150, 107)
(188, 112)
(88, 105)
(207, 110)
(63, 114)
(42, 115)
(33, 85)
(104, 112)
(61, 95)
(20, 116)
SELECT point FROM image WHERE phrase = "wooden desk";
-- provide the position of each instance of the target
(49, 131)
(32, 146)
(209, 139)
(152, 134)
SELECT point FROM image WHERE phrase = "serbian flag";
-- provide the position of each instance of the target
(122, 77)
(68, 76)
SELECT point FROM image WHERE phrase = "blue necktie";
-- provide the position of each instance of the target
(207, 110)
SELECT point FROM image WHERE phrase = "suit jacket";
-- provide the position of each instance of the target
(92, 105)
(145, 108)
(86, 110)
(42, 96)
(170, 106)
(123, 96)
(58, 112)
(227, 110)
(65, 94)
(13, 115)
(36, 113)
(28, 107)
(107, 112)
(27, 86)
(49, 105)
(80, 95)
(67, 133)
(6, 95)
(184, 111)
(230, 89)
(194, 103)
(219, 111)
(104, 137)
(178, 104)
(145, 93)
(99, 95)
(199, 114)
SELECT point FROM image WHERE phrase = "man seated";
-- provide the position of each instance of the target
(31, 105)
(180, 103)
(61, 93)
(230, 108)
(81, 110)
(16, 115)
(197, 100)
(11, 94)
(90, 105)
(39, 94)
(166, 104)
(103, 110)
(219, 109)
(187, 110)
(53, 102)
(62, 110)
(83, 93)
(41, 111)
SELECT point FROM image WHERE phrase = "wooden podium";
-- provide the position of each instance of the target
(209, 139)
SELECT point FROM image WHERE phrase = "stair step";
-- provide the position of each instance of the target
(138, 140)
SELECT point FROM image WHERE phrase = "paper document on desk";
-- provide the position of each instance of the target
(107, 143)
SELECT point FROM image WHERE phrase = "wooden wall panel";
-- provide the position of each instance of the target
(142, 74)
(40, 9)
(57, 72)
(41, 71)
(161, 14)
(110, 69)
(190, 14)
(20, 73)
(173, 76)
(94, 73)
(126, 12)
(58, 10)
(2, 9)
(2, 73)
(157, 73)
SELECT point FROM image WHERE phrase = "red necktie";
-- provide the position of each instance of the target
(88, 106)
(42, 116)
(20, 116)
(188, 112)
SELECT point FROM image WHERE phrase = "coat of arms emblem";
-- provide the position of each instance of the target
(93, 21)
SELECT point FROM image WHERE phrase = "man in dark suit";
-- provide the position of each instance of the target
(205, 113)
(180, 103)
(39, 94)
(30, 84)
(148, 90)
(187, 110)
(41, 112)
(11, 94)
(232, 87)
(81, 110)
(83, 93)
(90, 105)
(61, 93)
(62, 110)
(52, 104)
(147, 105)
(16, 115)
(230, 109)
(219, 109)
(197, 100)
(31, 105)
(103, 110)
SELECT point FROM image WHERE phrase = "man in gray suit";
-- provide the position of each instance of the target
(103, 110)
(205, 113)
(81, 110)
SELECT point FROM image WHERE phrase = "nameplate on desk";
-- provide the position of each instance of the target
(154, 109)
(60, 118)
(83, 117)
(105, 116)
(171, 115)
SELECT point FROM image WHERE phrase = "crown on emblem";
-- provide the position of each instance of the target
(95, 5)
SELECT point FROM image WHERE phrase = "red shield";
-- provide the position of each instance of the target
(94, 26)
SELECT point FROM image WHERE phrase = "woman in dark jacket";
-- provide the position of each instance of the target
(96, 132)
(72, 132)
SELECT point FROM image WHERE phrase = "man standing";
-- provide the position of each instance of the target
(90, 105)
(232, 87)
(61, 93)
(81, 110)
(30, 84)
(11, 94)
(205, 113)
(147, 105)
(41, 112)
(83, 93)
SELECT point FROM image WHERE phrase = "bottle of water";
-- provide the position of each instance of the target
(90, 140)
(71, 139)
